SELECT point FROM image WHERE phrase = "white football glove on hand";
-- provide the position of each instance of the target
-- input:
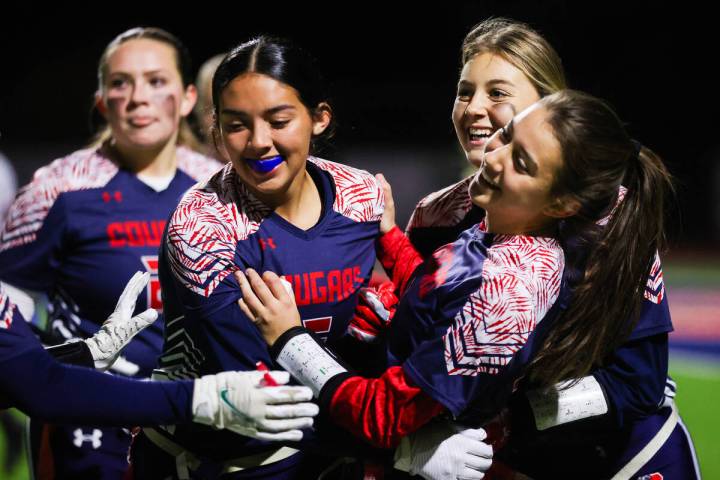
(120, 327)
(240, 402)
(443, 450)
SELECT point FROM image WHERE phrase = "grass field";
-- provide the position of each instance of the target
(698, 399)
(19, 470)
(697, 319)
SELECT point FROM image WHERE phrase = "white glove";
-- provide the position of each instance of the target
(121, 326)
(240, 401)
(443, 450)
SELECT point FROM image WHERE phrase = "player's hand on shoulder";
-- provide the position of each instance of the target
(269, 302)
(388, 219)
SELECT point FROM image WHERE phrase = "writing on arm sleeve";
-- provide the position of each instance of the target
(378, 410)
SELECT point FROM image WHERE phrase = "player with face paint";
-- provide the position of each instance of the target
(86, 222)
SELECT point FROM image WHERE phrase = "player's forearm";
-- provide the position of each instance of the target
(382, 410)
(67, 394)
(398, 256)
(379, 410)
(630, 386)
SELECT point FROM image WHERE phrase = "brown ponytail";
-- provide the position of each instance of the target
(610, 277)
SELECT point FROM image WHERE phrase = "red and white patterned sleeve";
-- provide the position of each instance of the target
(205, 229)
(358, 195)
(84, 169)
(446, 207)
(520, 282)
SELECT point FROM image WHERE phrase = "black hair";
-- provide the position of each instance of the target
(283, 61)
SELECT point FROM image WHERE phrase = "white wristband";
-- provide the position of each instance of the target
(556, 406)
(308, 362)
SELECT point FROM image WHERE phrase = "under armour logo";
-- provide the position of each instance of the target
(81, 438)
(107, 196)
(269, 243)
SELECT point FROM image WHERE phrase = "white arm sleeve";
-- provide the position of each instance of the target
(309, 362)
(559, 405)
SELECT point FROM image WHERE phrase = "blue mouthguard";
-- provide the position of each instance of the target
(265, 165)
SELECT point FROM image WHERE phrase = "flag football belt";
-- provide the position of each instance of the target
(186, 460)
(652, 447)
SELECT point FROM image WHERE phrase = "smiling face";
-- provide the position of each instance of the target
(490, 91)
(142, 97)
(514, 183)
(261, 118)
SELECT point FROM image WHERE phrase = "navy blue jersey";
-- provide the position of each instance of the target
(633, 383)
(471, 317)
(79, 395)
(219, 227)
(470, 309)
(441, 216)
(81, 229)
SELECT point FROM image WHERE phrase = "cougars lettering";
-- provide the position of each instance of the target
(320, 287)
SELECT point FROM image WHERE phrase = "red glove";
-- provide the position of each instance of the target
(376, 307)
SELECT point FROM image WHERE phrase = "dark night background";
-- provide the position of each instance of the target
(394, 66)
(394, 72)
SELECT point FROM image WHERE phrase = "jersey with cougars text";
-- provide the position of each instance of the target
(469, 311)
(80, 229)
(220, 227)
(441, 216)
